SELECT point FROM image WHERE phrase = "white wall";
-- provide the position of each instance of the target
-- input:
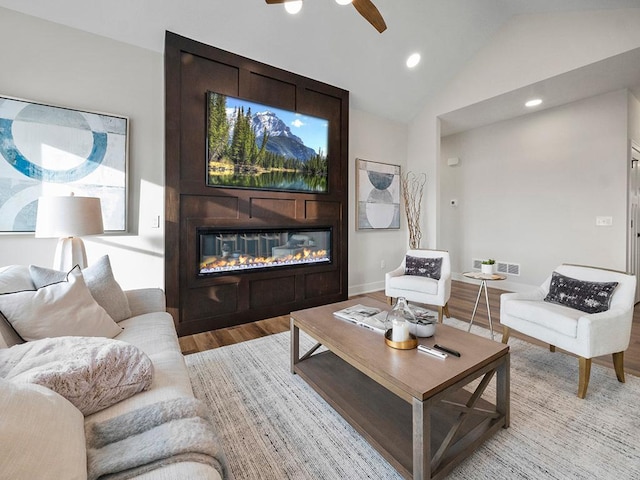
(529, 189)
(530, 48)
(634, 119)
(49, 63)
(379, 140)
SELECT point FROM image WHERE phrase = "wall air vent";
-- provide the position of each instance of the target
(501, 267)
(508, 268)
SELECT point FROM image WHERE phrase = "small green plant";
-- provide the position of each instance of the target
(491, 261)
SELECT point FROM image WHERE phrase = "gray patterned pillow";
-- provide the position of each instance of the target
(588, 297)
(423, 267)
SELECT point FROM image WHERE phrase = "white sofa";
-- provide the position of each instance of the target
(151, 329)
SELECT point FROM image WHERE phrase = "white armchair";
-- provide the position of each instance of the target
(421, 287)
(586, 335)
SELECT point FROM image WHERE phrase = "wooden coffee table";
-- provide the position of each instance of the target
(410, 406)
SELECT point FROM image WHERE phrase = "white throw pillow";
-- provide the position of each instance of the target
(99, 278)
(15, 278)
(64, 308)
(41, 435)
(92, 373)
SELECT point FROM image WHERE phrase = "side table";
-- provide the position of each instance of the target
(484, 278)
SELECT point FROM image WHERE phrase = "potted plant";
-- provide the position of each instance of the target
(488, 266)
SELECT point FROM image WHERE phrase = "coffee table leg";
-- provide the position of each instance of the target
(295, 345)
(503, 389)
(421, 440)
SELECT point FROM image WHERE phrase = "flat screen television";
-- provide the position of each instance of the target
(251, 145)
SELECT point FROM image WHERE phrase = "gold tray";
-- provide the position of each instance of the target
(406, 345)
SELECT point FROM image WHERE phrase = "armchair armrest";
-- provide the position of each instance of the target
(394, 273)
(537, 294)
(146, 300)
(605, 332)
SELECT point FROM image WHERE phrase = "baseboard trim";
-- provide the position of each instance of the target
(365, 288)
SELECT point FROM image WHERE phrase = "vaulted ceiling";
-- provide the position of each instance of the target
(325, 41)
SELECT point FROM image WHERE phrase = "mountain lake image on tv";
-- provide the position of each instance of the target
(250, 145)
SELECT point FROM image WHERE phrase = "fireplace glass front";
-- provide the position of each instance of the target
(224, 251)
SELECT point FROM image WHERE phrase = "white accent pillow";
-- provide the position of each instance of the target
(15, 278)
(41, 435)
(64, 308)
(100, 280)
(92, 373)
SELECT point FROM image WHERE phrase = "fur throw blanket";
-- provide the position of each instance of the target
(150, 437)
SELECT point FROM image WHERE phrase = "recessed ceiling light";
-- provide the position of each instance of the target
(533, 102)
(413, 60)
(343, 2)
(293, 6)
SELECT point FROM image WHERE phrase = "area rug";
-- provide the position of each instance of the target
(274, 426)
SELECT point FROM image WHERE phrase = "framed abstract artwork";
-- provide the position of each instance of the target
(378, 195)
(47, 150)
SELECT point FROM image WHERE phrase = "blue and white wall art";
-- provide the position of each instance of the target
(48, 151)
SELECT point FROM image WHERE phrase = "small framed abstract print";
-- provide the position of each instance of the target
(378, 195)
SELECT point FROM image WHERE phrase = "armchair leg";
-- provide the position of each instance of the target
(390, 300)
(446, 310)
(584, 374)
(618, 364)
(552, 348)
(440, 311)
(505, 334)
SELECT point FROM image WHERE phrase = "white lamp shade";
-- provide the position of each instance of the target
(68, 217)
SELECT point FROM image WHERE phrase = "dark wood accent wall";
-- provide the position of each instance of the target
(207, 303)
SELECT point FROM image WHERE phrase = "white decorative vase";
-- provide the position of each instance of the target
(488, 269)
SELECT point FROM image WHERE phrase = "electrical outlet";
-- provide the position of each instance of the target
(604, 221)
(382, 264)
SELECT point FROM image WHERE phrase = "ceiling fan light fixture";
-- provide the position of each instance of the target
(534, 102)
(413, 60)
(293, 6)
(344, 2)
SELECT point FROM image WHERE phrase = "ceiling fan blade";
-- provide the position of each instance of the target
(369, 11)
(273, 2)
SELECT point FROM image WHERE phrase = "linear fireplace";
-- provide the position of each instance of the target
(224, 251)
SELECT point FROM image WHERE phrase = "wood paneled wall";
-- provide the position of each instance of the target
(207, 303)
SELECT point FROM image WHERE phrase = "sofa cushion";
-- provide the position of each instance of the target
(99, 278)
(555, 317)
(588, 297)
(423, 266)
(41, 434)
(60, 309)
(92, 373)
(414, 283)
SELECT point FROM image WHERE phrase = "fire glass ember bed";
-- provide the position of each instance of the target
(224, 250)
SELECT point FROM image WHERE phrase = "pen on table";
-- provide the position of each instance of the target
(448, 350)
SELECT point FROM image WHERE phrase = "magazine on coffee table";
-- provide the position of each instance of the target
(367, 317)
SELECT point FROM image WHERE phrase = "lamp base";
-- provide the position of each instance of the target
(69, 253)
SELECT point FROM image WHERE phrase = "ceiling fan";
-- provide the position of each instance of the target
(366, 8)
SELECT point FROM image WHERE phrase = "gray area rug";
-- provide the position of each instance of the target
(274, 426)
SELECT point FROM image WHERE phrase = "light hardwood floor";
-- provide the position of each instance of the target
(463, 297)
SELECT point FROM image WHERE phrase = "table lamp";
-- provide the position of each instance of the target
(69, 218)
